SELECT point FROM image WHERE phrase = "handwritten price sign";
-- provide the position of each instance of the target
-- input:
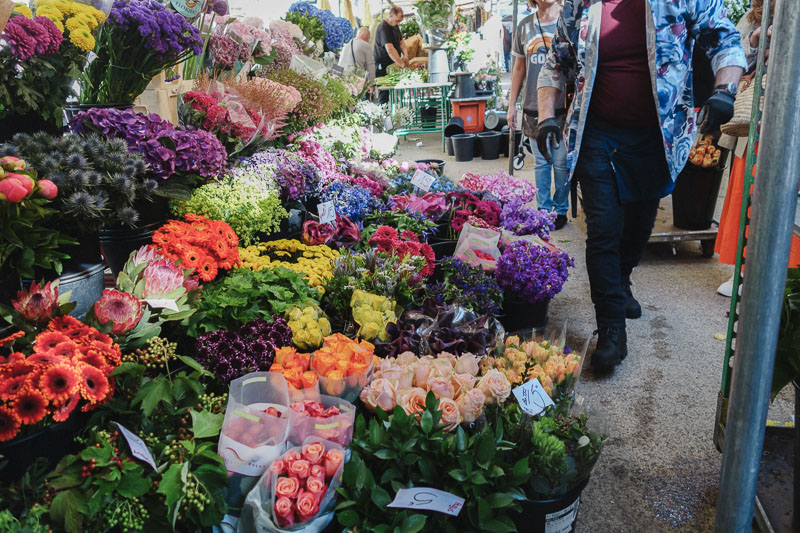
(327, 212)
(137, 446)
(428, 500)
(532, 397)
(422, 180)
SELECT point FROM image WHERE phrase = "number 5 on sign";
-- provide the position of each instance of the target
(532, 397)
(423, 180)
(428, 500)
(327, 212)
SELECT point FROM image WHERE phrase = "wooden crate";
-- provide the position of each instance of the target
(161, 97)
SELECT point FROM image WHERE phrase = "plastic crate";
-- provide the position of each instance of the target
(472, 113)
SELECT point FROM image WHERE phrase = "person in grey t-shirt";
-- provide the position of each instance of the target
(529, 48)
(358, 52)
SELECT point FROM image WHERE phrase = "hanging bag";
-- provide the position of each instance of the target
(739, 125)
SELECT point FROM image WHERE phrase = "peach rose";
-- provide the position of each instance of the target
(470, 405)
(451, 416)
(284, 511)
(412, 400)
(379, 393)
(467, 364)
(333, 458)
(441, 387)
(422, 371)
(495, 386)
(278, 467)
(291, 456)
(406, 358)
(313, 453)
(299, 468)
(287, 486)
(401, 378)
(447, 356)
(463, 383)
(307, 506)
(442, 368)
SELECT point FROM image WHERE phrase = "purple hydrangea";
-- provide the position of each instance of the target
(165, 34)
(532, 273)
(167, 149)
(521, 219)
(231, 354)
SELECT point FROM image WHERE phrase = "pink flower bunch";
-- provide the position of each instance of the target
(404, 244)
(223, 50)
(432, 204)
(17, 182)
(501, 185)
(315, 154)
(284, 43)
(252, 35)
(466, 205)
(28, 37)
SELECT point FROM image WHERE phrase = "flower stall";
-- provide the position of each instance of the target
(248, 316)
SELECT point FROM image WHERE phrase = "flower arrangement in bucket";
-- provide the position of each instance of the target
(320, 25)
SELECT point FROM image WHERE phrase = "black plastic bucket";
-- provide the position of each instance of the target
(490, 144)
(428, 115)
(557, 514)
(518, 315)
(448, 141)
(504, 142)
(695, 196)
(463, 146)
(454, 127)
(495, 120)
(118, 244)
(440, 168)
(443, 248)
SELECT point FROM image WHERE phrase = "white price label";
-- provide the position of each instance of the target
(91, 56)
(137, 446)
(562, 521)
(532, 397)
(327, 212)
(423, 180)
(428, 500)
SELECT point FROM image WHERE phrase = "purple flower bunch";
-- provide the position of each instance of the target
(220, 7)
(283, 43)
(167, 149)
(294, 175)
(466, 286)
(231, 354)
(166, 35)
(532, 273)
(502, 185)
(522, 219)
(28, 37)
(313, 153)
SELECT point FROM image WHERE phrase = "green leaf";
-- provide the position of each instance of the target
(194, 365)
(461, 439)
(484, 512)
(521, 468)
(458, 475)
(385, 454)
(413, 523)
(380, 497)
(478, 478)
(171, 487)
(427, 467)
(500, 500)
(206, 424)
(497, 526)
(376, 433)
(348, 518)
(426, 422)
(153, 393)
(68, 508)
(486, 450)
(133, 485)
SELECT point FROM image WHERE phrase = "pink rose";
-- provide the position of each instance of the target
(451, 416)
(442, 368)
(399, 377)
(495, 386)
(333, 459)
(467, 364)
(287, 486)
(441, 387)
(316, 486)
(313, 453)
(299, 468)
(379, 393)
(317, 470)
(470, 405)
(406, 358)
(278, 467)
(307, 506)
(284, 511)
(447, 356)
(412, 400)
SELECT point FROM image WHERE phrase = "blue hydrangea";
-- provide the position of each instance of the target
(352, 201)
(337, 29)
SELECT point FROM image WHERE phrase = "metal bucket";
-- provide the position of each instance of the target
(438, 68)
(86, 286)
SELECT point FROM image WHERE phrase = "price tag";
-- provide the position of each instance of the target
(423, 180)
(428, 500)
(337, 71)
(327, 212)
(137, 446)
(532, 397)
(91, 56)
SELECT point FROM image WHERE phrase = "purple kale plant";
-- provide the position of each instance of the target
(532, 273)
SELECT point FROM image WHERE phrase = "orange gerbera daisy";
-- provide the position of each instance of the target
(64, 411)
(77, 333)
(59, 383)
(192, 258)
(11, 338)
(93, 383)
(65, 323)
(207, 268)
(48, 340)
(30, 406)
(9, 387)
(19, 368)
(95, 337)
(9, 424)
(94, 358)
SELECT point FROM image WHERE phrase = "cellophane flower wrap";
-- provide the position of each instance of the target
(140, 39)
(344, 366)
(327, 417)
(272, 101)
(532, 273)
(70, 367)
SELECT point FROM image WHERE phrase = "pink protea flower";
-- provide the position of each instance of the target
(37, 305)
(123, 309)
(161, 277)
(146, 254)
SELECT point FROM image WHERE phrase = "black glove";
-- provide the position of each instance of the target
(548, 135)
(716, 111)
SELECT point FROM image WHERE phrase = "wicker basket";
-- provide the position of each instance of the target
(739, 125)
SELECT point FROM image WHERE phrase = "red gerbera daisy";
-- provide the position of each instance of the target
(11, 338)
(30, 406)
(64, 349)
(77, 333)
(48, 340)
(65, 323)
(47, 358)
(93, 383)
(59, 383)
(94, 358)
(9, 424)
(192, 258)
(95, 336)
(63, 413)
(19, 368)
(10, 387)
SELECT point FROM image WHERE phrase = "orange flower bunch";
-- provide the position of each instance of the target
(341, 357)
(71, 362)
(295, 367)
(207, 246)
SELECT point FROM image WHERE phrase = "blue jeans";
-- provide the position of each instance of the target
(617, 232)
(560, 200)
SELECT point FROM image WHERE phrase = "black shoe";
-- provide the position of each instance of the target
(561, 221)
(632, 307)
(611, 349)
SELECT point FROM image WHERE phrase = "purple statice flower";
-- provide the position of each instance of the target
(466, 286)
(167, 149)
(165, 34)
(522, 219)
(291, 172)
(532, 273)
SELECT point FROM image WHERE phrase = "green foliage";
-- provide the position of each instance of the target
(340, 96)
(316, 103)
(434, 13)
(312, 27)
(247, 201)
(736, 9)
(394, 451)
(34, 521)
(377, 273)
(246, 295)
(409, 28)
(787, 353)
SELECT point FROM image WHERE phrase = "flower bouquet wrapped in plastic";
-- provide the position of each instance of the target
(344, 366)
(330, 418)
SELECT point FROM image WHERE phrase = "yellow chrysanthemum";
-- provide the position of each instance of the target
(82, 38)
(24, 10)
(50, 12)
(56, 21)
(88, 19)
(74, 23)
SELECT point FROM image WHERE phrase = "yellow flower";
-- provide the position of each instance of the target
(22, 9)
(87, 19)
(82, 38)
(58, 23)
(50, 12)
(74, 23)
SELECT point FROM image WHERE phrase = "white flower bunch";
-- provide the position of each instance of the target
(736, 9)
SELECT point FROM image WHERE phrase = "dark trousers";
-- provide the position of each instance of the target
(617, 230)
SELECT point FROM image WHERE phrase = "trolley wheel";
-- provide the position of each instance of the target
(708, 247)
(519, 162)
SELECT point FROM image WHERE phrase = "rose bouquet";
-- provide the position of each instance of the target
(522, 220)
(502, 185)
(231, 354)
(140, 39)
(315, 261)
(295, 367)
(404, 244)
(329, 418)
(466, 286)
(343, 139)
(40, 58)
(70, 366)
(207, 246)
(343, 365)
(532, 273)
(295, 176)
(341, 233)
